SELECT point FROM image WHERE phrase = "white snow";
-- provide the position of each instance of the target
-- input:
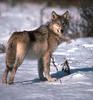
(88, 45)
(78, 76)
(59, 53)
(85, 83)
(72, 50)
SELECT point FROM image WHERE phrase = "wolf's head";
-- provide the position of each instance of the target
(59, 22)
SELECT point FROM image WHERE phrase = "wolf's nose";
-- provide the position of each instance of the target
(62, 30)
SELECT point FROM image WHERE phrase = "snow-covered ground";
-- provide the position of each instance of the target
(76, 86)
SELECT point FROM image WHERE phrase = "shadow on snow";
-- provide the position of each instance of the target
(57, 75)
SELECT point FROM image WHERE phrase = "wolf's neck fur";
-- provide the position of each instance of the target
(50, 31)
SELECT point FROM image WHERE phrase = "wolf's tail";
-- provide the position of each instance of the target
(10, 55)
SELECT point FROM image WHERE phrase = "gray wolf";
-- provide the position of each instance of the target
(39, 44)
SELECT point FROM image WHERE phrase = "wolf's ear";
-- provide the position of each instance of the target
(66, 15)
(54, 15)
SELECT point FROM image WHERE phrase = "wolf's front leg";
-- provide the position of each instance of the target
(46, 61)
(41, 69)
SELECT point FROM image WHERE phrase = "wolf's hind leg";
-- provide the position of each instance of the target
(4, 77)
(13, 72)
(10, 59)
(20, 54)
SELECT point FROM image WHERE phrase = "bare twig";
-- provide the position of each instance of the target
(53, 62)
(2, 48)
(65, 66)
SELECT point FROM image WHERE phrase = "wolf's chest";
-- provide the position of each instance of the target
(36, 50)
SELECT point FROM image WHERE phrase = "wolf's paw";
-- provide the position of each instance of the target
(4, 81)
(43, 79)
(10, 82)
(52, 79)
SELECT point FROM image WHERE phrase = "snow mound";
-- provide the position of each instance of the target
(88, 45)
(78, 76)
(72, 50)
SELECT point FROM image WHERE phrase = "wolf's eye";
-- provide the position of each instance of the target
(62, 22)
(58, 23)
